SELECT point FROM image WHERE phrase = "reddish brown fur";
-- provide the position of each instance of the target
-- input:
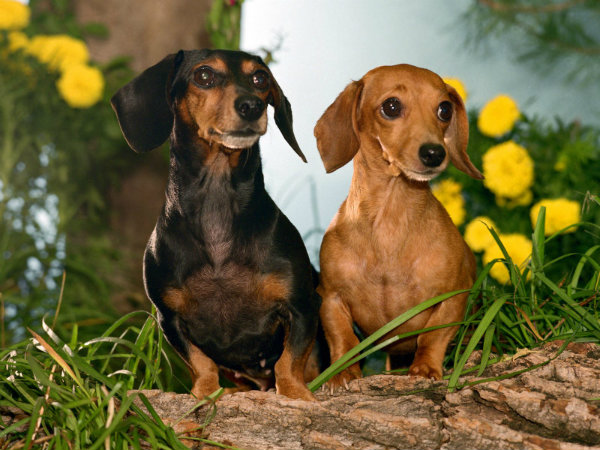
(392, 245)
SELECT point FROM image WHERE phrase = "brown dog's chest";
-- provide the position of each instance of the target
(380, 272)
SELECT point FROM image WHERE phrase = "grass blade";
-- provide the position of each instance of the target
(479, 331)
(59, 360)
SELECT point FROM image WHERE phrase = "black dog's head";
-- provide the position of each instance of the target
(219, 95)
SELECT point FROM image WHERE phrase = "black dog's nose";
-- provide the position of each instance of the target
(432, 155)
(249, 107)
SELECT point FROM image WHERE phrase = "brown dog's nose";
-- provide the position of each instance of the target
(432, 155)
(249, 107)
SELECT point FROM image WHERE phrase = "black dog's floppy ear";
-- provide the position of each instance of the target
(142, 106)
(283, 116)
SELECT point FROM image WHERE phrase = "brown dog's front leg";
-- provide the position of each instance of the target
(431, 346)
(337, 325)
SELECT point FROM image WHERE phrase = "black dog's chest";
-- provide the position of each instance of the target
(235, 314)
(237, 317)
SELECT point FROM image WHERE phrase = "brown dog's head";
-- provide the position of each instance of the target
(219, 96)
(404, 115)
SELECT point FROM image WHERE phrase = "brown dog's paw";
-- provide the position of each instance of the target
(422, 369)
(342, 379)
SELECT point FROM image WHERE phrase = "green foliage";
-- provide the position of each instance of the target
(57, 164)
(566, 160)
(77, 395)
(548, 35)
(223, 24)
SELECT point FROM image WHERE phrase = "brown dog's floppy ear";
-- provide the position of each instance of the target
(457, 137)
(283, 116)
(142, 106)
(336, 130)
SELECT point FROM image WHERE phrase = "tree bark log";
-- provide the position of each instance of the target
(555, 406)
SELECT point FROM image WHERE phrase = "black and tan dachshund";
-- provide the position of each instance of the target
(227, 271)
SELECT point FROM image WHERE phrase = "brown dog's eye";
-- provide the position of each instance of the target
(204, 76)
(391, 108)
(260, 80)
(444, 111)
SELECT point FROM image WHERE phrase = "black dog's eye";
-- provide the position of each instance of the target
(205, 76)
(444, 111)
(391, 108)
(260, 80)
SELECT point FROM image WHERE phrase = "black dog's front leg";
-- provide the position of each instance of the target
(203, 370)
(299, 340)
(169, 301)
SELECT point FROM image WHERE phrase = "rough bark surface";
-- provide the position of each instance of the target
(556, 406)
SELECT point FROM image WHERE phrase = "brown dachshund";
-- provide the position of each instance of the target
(227, 271)
(392, 245)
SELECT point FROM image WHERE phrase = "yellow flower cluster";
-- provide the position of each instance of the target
(480, 239)
(477, 234)
(519, 249)
(508, 171)
(17, 40)
(79, 84)
(458, 86)
(58, 51)
(13, 15)
(560, 213)
(448, 192)
(498, 116)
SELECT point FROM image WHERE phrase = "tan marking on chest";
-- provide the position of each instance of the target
(230, 280)
(176, 299)
(272, 287)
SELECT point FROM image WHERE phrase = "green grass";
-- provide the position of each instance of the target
(74, 395)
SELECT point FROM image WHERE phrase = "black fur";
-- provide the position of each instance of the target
(218, 233)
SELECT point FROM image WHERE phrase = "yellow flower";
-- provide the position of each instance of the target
(13, 15)
(477, 234)
(508, 170)
(448, 192)
(498, 116)
(561, 163)
(519, 249)
(59, 51)
(81, 86)
(560, 213)
(522, 200)
(459, 86)
(17, 40)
